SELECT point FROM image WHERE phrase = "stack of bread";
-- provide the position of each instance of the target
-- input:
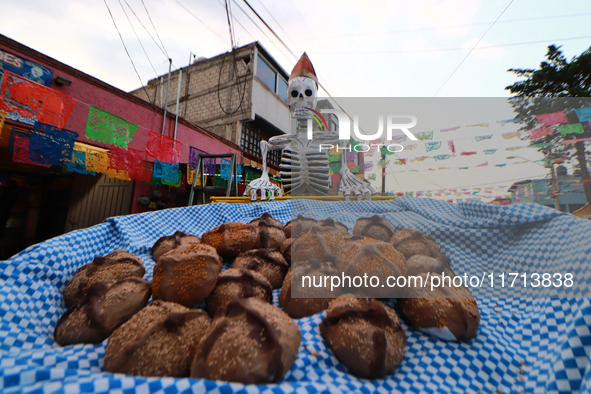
(248, 339)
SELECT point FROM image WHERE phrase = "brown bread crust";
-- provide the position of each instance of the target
(365, 335)
(250, 342)
(115, 266)
(236, 283)
(160, 340)
(187, 274)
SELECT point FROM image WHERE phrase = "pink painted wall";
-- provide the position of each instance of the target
(89, 91)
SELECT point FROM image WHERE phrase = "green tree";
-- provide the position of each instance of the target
(558, 85)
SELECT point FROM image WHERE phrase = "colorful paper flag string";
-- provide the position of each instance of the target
(33, 100)
(194, 156)
(163, 148)
(540, 133)
(145, 172)
(104, 127)
(483, 137)
(552, 119)
(430, 146)
(97, 161)
(584, 114)
(51, 146)
(573, 128)
(165, 171)
(508, 136)
(176, 182)
(425, 135)
(20, 152)
(78, 163)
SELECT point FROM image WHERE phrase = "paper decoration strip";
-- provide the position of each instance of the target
(17, 132)
(483, 137)
(513, 148)
(225, 168)
(163, 148)
(166, 171)
(411, 146)
(539, 133)
(350, 156)
(51, 146)
(552, 119)
(398, 138)
(335, 167)
(478, 125)
(33, 100)
(145, 172)
(543, 145)
(97, 161)
(485, 164)
(351, 166)
(174, 182)
(20, 152)
(194, 156)
(467, 153)
(584, 114)
(355, 169)
(384, 151)
(489, 151)
(332, 157)
(572, 128)
(450, 129)
(430, 146)
(441, 157)
(570, 142)
(420, 194)
(190, 175)
(335, 178)
(501, 165)
(451, 146)
(508, 136)
(425, 135)
(372, 177)
(77, 163)
(209, 166)
(118, 174)
(104, 127)
(504, 122)
(2, 118)
(125, 159)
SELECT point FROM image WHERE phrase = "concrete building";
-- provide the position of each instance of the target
(42, 202)
(240, 96)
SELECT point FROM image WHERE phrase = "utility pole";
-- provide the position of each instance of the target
(383, 177)
(549, 163)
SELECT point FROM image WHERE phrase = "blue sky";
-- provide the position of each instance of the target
(359, 49)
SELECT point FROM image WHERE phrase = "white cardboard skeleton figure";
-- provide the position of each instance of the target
(304, 167)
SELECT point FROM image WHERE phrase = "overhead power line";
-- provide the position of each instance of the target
(140, 22)
(421, 29)
(156, 31)
(126, 51)
(474, 46)
(138, 38)
(203, 23)
(271, 30)
(458, 49)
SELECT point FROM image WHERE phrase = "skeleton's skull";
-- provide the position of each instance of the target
(301, 94)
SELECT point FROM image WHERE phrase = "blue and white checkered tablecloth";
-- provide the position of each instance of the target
(540, 345)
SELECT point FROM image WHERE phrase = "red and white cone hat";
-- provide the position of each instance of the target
(304, 68)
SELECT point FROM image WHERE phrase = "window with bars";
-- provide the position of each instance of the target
(250, 143)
